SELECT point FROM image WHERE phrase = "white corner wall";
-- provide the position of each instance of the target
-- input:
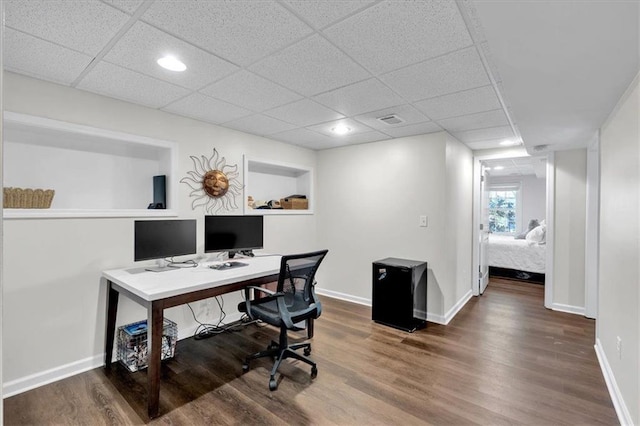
(54, 298)
(370, 197)
(619, 275)
(569, 241)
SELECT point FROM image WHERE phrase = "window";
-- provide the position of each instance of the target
(503, 208)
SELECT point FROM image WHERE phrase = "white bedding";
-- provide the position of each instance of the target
(504, 251)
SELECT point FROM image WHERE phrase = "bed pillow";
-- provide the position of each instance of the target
(532, 224)
(537, 235)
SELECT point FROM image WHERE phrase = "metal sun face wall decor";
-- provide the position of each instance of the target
(214, 184)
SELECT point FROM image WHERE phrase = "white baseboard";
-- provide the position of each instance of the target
(456, 308)
(578, 310)
(343, 296)
(431, 317)
(33, 381)
(616, 397)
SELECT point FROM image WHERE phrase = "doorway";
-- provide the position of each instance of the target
(513, 194)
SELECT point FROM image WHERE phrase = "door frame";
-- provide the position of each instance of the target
(550, 209)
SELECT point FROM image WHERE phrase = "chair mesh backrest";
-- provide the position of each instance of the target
(297, 278)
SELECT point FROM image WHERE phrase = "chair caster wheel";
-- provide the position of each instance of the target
(314, 372)
(245, 367)
(273, 384)
(307, 351)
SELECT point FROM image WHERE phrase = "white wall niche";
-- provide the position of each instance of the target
(95, 172)
(272, 180)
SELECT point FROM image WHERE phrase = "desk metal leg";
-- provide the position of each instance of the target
(155, 324)
(112, 311)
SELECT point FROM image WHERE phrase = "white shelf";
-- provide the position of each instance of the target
(272, 180)
(94, 172)
(79, 213)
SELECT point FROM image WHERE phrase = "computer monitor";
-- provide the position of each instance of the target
(159, 239)
(233, 233)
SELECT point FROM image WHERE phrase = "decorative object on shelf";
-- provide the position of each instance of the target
(214, 183)
(19, 198)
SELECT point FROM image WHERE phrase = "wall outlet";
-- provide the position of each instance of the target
(424, 221)
(619, 346)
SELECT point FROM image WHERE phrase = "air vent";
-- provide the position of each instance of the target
(540, 148)
(391, 119)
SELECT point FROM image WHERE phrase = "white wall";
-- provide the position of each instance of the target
(619, 277)
(370, 198)
(569, 241)
(54, 299)
(459, 225)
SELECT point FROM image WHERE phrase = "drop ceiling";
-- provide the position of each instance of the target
(293, 70)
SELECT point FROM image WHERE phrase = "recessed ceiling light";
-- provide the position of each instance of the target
(341, 129)
(498, 168)
(509, 142)
(172, 64)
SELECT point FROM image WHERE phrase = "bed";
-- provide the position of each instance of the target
(514, 258)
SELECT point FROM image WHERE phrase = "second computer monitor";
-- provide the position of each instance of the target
(233, 233)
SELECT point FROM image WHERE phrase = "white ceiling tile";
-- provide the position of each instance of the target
(496, 134)
(38, 58)
(488, 144)
(461, 103)
(325, 128)
(481, 120)
(306, 138)
(251, 91)
(310, 67)
(365, 137)
(141, 47)
(82, 25)
(259, 125)
(129, 6)
(368, 95)
(322, 13)
(303, 113)
(112, 80)
(407, 113)
(451, 73)
(206, 108)
(394, 34)
(239, 31)
(414, 129)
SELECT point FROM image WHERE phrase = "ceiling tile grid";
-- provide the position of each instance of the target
(143, 44)
(112, 80)
(290, 70)
(205, 108)
(250, 90)
(239, 31)
(85, 26)
(29, 55)
(393, 34)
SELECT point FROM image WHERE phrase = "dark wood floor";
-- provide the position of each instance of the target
(504, 359)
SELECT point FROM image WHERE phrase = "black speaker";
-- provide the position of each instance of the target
(159, 192)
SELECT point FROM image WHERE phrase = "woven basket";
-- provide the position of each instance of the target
(19, 198)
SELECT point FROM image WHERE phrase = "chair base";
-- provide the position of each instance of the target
(281, 351)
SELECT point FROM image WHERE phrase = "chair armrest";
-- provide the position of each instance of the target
(264, 290)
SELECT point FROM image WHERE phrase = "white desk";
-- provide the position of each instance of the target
(160, 290)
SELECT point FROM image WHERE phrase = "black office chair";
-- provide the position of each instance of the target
(293, 302)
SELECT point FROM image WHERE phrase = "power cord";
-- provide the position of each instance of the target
(204, 330)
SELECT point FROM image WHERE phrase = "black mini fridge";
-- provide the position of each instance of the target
(400, 293)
